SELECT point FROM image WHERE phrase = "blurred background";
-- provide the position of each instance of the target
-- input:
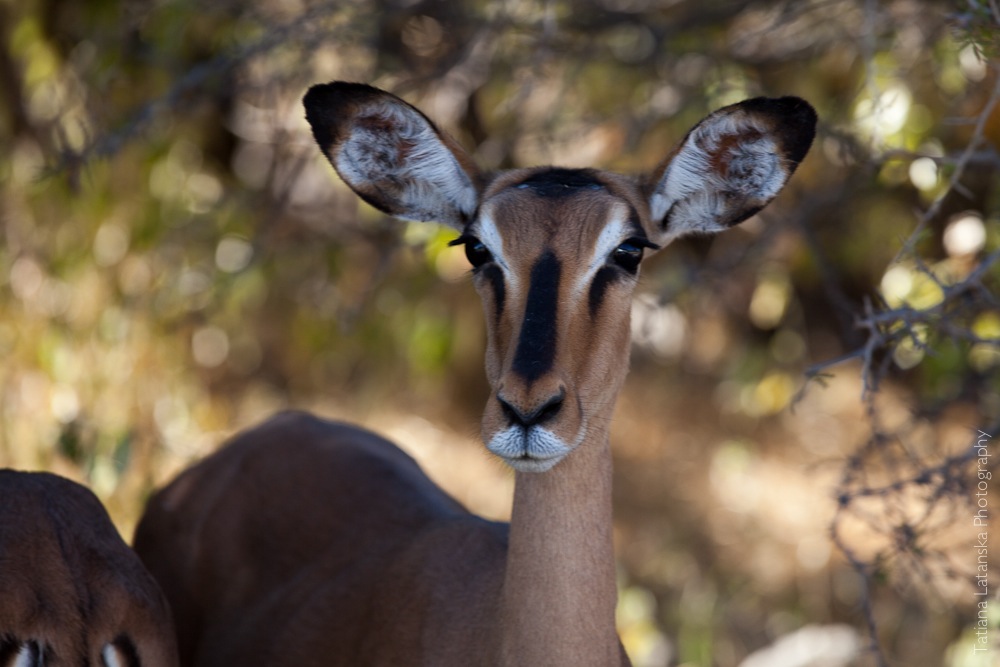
(795, 471)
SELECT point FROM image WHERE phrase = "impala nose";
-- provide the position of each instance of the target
(536, 416)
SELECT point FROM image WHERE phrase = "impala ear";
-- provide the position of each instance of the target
(730, 166)
(392, 155)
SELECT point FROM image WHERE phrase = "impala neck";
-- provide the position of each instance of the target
(559, 595)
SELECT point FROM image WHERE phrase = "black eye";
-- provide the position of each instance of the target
(477, 253)
(628, 255)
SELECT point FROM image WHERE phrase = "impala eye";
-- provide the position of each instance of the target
(475, 250)
(628, 255)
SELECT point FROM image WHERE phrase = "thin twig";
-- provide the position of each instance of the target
(307, 30)
(960, 166)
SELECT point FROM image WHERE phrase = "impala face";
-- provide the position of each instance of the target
(556, 252)
(555, 255)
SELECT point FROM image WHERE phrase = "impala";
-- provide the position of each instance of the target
(306, 542)
(72, 593)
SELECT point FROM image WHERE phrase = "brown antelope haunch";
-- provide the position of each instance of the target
(72, 592)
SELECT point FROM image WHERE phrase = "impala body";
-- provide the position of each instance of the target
(305, 542)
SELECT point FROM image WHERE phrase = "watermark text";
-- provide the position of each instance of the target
(981, 523)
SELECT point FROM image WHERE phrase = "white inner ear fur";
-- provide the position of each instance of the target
(392, 147)
(699, 195)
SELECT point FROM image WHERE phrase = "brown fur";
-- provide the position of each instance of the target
(587, 348)
(69, 583)
(269, 554)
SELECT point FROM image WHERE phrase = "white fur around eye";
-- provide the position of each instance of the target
(613, 234)
(111, 656)
(26, 656)
(487, 232)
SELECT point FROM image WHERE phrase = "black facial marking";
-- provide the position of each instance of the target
(599, 286)
(559, 182)
(494, 275)
(752, 211)
(665, 223)
(536, 347)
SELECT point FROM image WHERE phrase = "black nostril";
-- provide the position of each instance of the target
(539, 415)
(549, 410)
(512, 415)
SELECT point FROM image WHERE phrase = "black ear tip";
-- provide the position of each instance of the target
(330, 105)
(327, 99)
(327, 104)
(321, 93)
(798, 119)
(317, 95)
(322, 103)
(794, 121)
(795, 106)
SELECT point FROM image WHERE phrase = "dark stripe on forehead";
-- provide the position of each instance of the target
(494, 276)
(559, 182)
(536, 346)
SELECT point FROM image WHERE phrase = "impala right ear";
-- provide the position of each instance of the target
(730, 166)
(392, 155)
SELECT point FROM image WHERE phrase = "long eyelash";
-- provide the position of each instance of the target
(461, 240)
(643, 243)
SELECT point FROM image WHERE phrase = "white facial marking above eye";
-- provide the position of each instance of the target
(615, 232)
(111, 656)
(485, 229)
(25, 656)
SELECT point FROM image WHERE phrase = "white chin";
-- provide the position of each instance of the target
(527, 464)
(528, 450)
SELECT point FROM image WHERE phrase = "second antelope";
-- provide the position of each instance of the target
(71, 591)
(306, 542)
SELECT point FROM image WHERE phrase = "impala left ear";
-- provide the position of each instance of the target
(392, 155)
(730, 166)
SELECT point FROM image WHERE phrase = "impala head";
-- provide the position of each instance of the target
(556, 252)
